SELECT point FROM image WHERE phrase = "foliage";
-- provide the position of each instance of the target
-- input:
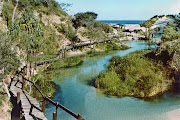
(133, 75)
(177, 20)
(61, 28)
(2, 98)
(47, 6)
(84, 19)
(94, 34)
(105, 27)
(149, 22)
(46, 86)
(71, 34)
(170, 34)
(9, 61)
(112, 46)
(7, 12)
(168, 53)
(28, 32)
(65, 63)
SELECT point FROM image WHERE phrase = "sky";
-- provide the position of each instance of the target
(124, 9)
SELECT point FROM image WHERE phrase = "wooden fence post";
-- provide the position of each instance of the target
(79, 117)
(64, 52)
(18, 76)
(55, 113)
(34, 92)
(43, 106)
(56, 110)
(22, 82)
(59, 56)
(18, 105)
(45, 60)
(18, 97)
(54, 116)
(30, 68)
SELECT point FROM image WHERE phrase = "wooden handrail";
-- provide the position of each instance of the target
(62, 107)
(77, 116)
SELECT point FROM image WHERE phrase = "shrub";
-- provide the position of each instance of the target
(170, 34)
(133, 75)
(105, 27)
(71, 34)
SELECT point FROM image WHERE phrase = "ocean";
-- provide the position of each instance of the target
(122, 22)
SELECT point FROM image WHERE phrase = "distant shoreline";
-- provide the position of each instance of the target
(122, 22)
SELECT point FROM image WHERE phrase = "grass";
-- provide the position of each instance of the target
(133, 75)
(92, 53)
(110, 46)
(65, 63)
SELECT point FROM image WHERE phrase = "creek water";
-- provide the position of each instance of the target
(77, 93)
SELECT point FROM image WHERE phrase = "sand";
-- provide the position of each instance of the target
(174, 115)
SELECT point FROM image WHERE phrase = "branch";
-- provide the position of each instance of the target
(14, 12)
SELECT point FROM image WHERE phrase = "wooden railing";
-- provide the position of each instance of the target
(57, 105)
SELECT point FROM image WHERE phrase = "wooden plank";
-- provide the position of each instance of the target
(26, 105)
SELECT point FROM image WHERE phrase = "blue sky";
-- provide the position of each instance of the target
(124, 9)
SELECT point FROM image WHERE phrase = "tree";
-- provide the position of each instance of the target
(9, 62)
(84, 19)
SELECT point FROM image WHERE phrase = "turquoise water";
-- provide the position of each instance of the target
(77, 93)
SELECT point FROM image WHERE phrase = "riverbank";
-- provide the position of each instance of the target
(174, 115)
(99, 48)
(144, 74)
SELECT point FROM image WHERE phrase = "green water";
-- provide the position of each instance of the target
(77, 93)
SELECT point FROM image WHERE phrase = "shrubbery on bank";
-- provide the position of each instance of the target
(134, 75)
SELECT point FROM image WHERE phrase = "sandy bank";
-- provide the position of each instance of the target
(174, 115)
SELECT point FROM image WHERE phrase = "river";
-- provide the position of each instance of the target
(77, 93)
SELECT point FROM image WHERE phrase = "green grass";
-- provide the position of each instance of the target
(65, 63)
(110, 46)
(92, 53)
(133, 75)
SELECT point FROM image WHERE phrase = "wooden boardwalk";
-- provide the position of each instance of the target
(31, 109)
(26, 101)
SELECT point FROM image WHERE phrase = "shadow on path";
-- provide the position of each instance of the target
(15, 113)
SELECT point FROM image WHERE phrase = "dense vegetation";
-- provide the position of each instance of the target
(171, 32)
(65, 63)
(29, 35)
(133, 75)
(9, 61)
(110, 46)
(38, 28)
(150, 22)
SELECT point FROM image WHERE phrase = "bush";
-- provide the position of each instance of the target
(105, 27)
(170, 34)
(133, 75)
(61, 28)
(71, 34)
